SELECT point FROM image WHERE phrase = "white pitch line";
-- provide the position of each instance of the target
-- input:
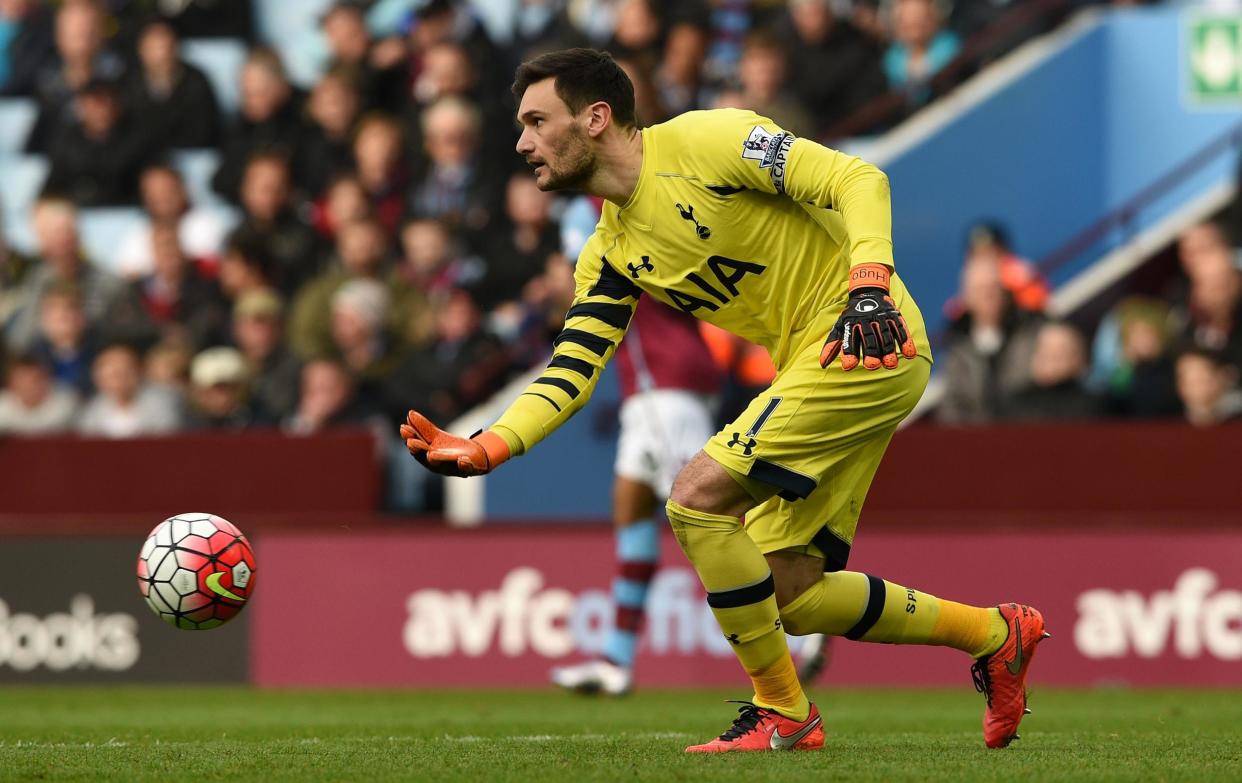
(112, 743)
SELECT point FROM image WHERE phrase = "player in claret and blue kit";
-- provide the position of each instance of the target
(786, 243)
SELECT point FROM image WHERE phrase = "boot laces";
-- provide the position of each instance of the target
(983, 678)
(749, 716)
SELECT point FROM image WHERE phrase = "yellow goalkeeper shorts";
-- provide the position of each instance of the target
(816, 436)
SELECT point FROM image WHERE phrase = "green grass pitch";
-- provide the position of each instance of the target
(236, 734)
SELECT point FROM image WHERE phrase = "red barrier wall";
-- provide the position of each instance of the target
(226, 473)
(1102, 467)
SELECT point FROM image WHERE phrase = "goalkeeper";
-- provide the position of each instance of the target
(785, 243)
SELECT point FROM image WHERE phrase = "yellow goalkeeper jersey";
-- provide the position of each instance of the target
(734, 221)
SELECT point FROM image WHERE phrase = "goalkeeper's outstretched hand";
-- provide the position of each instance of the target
(448, 454)
(870, 330)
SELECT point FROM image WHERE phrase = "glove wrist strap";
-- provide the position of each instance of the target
(869, 276)
(494, 447)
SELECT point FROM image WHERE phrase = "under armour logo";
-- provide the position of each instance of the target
(747, 445)
(687, 213)
(733, 639)
(645, 266)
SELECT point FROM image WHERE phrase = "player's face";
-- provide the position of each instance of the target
(553, 140)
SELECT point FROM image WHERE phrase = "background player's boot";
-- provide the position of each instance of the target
(813, 656)
(1001, 676)
(599, 676)
(758, 728)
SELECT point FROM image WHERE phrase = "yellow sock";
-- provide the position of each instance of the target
(867, 608)
(976, 630)
(742, 596)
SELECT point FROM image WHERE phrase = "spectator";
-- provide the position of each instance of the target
(274, 371)
(326, 150)
(455, 184)
(1213, 311)
(80, 59)
(167, 365)
(124, 406)
(343, 202)
(220, 399)
(678, 78)
(518, 253)
(436, 21)
(60, 260)
(201, 232)
(762, 75)
(1207, 386)
(836, 68)
(26, 45)
(1199, 244)
(456, 371)
(636, 35)
(380, 76)
(66, 343)
(989, 349)
(529, 326)
(360, 337)
(328, 398)
(269, 121)
(432, 266)
(447, 71)
(14, 269)
(288, 242)
(1142, 384)
(360, 250)
(245, 265)
(988, 243)
(176, 296)
(1056, 389)
(920, 48)
(432, 260)
(379, 161)
(172, 100)
(32, 402)
(96, 157)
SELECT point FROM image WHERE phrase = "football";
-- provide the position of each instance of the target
(196, 571)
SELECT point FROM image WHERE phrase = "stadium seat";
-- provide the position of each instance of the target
(102, 229)
(197, 168)
(293, 30)
(16, 117)
(21, 178)
(221, 59)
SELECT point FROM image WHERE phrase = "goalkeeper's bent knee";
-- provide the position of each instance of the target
(718, 548)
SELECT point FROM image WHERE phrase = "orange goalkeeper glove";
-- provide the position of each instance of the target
(450, 455)
(870, 329)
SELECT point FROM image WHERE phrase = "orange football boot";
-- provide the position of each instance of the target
(758, 728)
(1001, 676)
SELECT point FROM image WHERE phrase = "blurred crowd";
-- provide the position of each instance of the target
(383, 249)
(1174, 352)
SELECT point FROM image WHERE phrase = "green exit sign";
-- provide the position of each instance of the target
(1215, 58)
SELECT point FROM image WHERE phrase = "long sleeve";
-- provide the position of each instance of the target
(594, 325)
(858, 190)
(745, 150)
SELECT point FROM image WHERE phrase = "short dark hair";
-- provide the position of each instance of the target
(583, 76)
